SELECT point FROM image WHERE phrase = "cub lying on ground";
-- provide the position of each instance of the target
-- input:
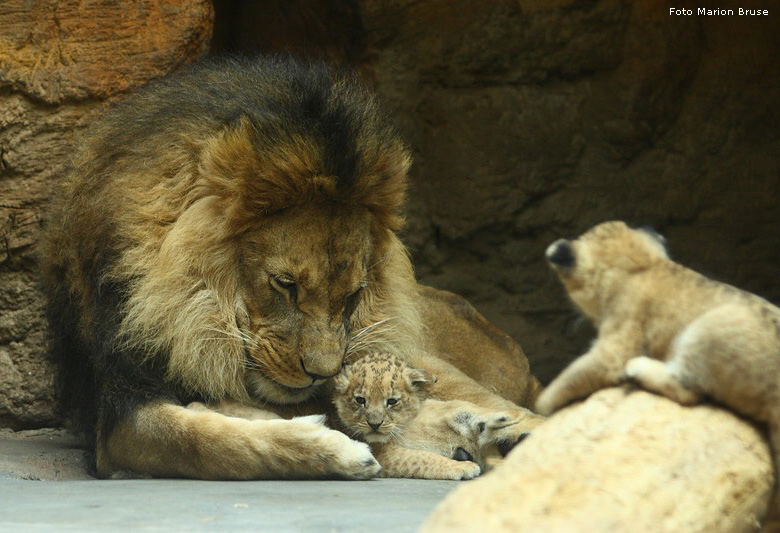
(378, 400)
(665, 327)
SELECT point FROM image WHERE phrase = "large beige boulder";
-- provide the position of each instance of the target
(622, 461)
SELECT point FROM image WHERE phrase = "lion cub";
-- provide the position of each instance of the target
(376, 399)
(665, 327)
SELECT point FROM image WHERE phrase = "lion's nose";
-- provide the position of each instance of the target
(314, 375)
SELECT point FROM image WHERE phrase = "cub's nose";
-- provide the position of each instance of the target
(375, 425)
(560, 254)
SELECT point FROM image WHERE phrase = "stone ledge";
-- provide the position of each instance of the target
(624, 460)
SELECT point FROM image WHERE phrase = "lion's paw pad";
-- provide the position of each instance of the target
(506, 446)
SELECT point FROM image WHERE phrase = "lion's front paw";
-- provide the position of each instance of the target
(547, 403)
(353, 459)
(506, 446)
(495, 427)
(507, 427)
(311, 419)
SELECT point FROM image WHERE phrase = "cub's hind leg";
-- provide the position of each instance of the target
(660, 377)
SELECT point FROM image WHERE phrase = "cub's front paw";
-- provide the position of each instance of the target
(466, 470)
(547, 403)
(637, 367)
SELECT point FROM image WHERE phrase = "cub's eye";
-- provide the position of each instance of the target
(360, 400)
(284, 285)
(392, 401)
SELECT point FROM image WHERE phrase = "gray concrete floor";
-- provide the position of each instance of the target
(392, 505)
(44, 487)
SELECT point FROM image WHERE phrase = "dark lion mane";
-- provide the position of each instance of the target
(136, 254)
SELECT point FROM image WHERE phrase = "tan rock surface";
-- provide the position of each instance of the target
(622, 461)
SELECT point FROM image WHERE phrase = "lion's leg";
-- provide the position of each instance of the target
(397, 461)
(461, 430)
(452, 384)
(235, 409)
(166, 440)
(457, 333)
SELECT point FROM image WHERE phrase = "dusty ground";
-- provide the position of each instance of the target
(45, 485)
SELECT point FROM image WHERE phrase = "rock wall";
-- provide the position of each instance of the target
(529, 120)
(533, 119)
(59, 63)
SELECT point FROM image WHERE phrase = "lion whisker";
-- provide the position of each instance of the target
(363, 331)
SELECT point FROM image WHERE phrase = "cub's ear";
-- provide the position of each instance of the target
(419, 380)
(341, 381)
(656, 238)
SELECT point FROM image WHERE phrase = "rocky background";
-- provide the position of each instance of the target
(529, 120)
(60, 61)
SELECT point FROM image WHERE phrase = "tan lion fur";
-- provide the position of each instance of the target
(227, 236)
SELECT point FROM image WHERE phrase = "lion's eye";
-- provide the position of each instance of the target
(284, 285)
(392, 401)
(352, 301)
(360, 400)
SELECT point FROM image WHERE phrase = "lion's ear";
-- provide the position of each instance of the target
(382, 188)
(250, 177)
(419, 380)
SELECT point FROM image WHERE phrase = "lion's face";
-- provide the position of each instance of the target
(303, 274)
(597, 264)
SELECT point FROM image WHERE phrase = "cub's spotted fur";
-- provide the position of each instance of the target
(665, 327)
(376, 400)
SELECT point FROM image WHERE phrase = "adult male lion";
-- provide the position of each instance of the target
(225, 236)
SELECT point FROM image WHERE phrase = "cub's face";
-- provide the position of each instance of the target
(596, 264)
(303, 275)
(378, 395)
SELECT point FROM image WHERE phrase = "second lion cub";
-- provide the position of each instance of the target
(666, 327)
(376, 400)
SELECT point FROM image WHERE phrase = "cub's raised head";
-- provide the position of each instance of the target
(378, 395)
(594, 265)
